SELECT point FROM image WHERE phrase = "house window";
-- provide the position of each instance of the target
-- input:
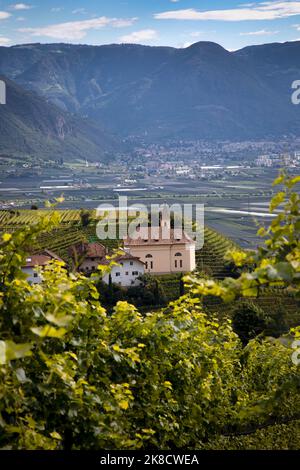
(181, 263)
(127, 273)
(118, 274)
(176, 263)
(135, 273)
(35, 275)
(131, 263)
(149, 265)
(178, 254)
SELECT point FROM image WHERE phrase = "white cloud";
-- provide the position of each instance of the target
(123, 23)
(196, 34)
(81, 11)
(260, 11)
(4, 41)
(262, 32)
(4, 15)
(137, 37)
(56, 9)
(75, 30)
(21, 6)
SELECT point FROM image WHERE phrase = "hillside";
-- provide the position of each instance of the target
(29, 125)
(201, 92)
(210, 259)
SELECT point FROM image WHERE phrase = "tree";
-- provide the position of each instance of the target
(85, 218)
(181, 286)
(249, 321)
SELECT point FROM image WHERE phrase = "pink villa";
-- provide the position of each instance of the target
(163, 250)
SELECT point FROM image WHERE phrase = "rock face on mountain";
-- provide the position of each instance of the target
(201, 92)
(31, 126)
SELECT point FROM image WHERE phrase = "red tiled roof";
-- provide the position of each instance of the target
(95, 250)
(51, 254)
(128, 257)
(88, 250)
(37, 260)
(119, 259)
(41, 258)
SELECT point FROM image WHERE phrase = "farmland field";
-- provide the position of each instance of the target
(234, 206)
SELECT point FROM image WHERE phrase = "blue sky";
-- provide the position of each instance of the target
(179, 23)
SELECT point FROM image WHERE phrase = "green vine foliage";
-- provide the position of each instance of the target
(74, 377)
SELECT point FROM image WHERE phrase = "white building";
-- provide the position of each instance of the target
(264, 160)
(297, 156)
(37, 261)
(127, 272)
(88, 256)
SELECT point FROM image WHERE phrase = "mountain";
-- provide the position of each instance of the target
(29, 125)
(201, 92)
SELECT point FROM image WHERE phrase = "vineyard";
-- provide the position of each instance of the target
(210, 259)
(19, 218)
(171, 285)
(274, 303)
(59, 240)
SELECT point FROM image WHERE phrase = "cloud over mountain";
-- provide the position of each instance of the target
(255, 11)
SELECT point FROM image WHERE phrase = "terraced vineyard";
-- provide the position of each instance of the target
(171, 286)
(91, 236)
(69, 232)
(271, 302)
(60, 240)
(23, 217)
(211, 258)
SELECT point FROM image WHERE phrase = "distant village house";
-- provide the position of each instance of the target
(38, 261)
(128, 271)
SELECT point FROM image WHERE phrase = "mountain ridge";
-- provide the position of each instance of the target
(159, 92)
(29, 125)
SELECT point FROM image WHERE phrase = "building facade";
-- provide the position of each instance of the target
(162, 249)
(127, 273)
(38, 261)
(87, 256)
